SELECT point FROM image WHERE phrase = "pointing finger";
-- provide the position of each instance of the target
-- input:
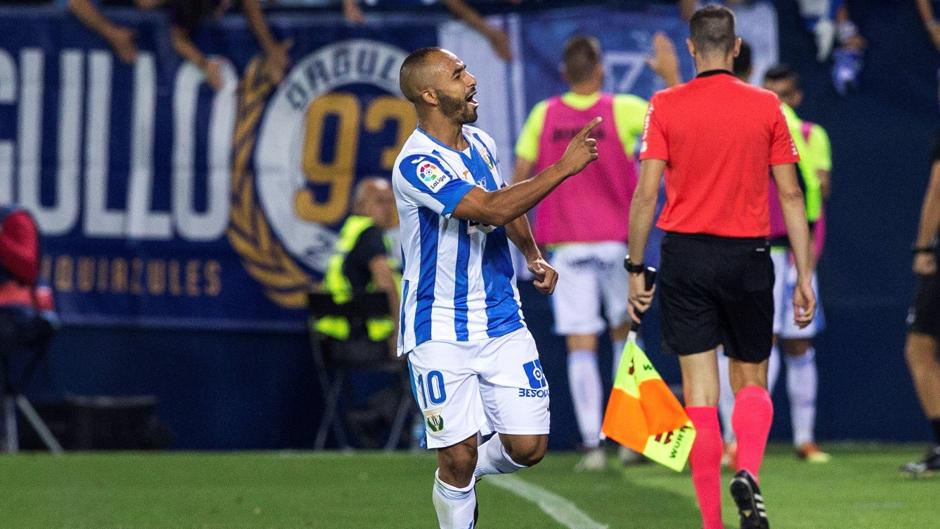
(590, 126)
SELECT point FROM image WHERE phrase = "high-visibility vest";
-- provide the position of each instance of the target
(808, 164)
(336, 283)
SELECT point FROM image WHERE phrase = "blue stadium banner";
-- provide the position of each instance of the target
(162, 202)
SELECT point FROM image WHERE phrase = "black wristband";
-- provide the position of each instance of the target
(633, 268)
(923, 249)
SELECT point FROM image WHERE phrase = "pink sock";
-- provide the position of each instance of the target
(753, 413)
(706, 464)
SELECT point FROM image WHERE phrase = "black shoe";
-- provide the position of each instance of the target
(750, 503)
(928, 466)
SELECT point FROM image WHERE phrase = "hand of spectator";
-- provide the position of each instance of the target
(148, 4)
(934, 30)
(352, 12)
(925, 264)
(499, 41)
(277, 60)
(665, 61)
(122, 41)
(545, 275)
(213, 73)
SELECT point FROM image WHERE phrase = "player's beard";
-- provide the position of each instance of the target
(458, 109)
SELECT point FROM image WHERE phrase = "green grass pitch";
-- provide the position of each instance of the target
(859, 489)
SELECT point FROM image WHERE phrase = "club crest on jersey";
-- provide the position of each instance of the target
(488, 160)
(431, 175)
(434, 420)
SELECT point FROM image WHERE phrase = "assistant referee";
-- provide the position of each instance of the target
(719, 136)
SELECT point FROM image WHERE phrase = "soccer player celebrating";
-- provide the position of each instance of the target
(718, 137)
(473, 362)
(924, 318)
(588, 251)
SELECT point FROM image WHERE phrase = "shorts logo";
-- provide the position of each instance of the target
(431, 175)
(434, 421)
(533, 370)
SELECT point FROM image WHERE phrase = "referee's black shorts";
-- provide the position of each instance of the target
(717, 290)
(924, 316)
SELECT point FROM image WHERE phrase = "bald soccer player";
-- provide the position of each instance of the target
(474, 365)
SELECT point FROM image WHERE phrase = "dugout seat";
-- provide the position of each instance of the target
(334, 359)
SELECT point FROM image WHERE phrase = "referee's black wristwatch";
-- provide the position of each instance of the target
(633, 268)
(914, 249)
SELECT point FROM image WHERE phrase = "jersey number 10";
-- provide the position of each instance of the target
(435, 390)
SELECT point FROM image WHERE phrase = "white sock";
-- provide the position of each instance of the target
(584, 380)
(773, 369)
(492, 458)
(454, 505)
(802, 382)
(618, 353)
(725, 398)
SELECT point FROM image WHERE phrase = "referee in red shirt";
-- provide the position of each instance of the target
(718, 137)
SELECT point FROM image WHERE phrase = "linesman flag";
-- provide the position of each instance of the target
(642, 412)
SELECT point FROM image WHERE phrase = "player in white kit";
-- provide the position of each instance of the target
(473, 363)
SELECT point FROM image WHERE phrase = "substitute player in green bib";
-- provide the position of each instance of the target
(814, 169)
(588, 250)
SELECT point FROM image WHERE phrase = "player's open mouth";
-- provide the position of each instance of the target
(472, 98)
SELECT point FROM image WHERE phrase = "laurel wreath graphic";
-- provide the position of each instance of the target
(263, 256)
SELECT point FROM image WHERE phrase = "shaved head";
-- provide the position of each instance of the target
(417, 72)
(437, 83)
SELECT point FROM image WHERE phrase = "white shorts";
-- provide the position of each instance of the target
(467, 387)
(589, 274)
(784, 283)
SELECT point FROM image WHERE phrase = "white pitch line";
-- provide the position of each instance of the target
(559, 508)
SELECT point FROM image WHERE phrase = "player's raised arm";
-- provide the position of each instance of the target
(498, 208)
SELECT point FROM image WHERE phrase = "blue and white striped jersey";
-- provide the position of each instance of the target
(458, 282)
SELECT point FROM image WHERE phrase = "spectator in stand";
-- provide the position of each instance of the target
(830, 22)
(460, 8)
(929, 17)
(120, 38)
(185, 16)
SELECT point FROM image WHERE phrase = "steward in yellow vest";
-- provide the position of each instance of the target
(361, 262)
